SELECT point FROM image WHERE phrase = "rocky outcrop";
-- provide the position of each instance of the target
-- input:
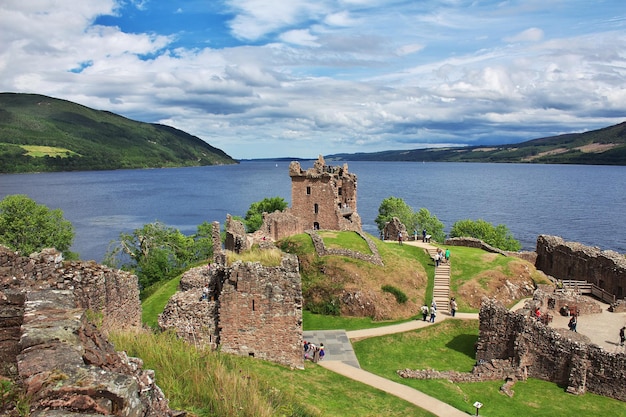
(393, 229)
(67, 367)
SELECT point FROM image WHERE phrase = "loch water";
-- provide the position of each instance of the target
(586, 204)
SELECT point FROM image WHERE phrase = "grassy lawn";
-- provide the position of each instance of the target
(344, 240)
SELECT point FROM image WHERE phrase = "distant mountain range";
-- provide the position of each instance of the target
(605, 146)
(40, 133)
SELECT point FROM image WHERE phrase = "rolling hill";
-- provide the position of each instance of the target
(40, 133)
(605, 146)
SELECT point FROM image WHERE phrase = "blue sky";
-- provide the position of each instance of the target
(295, 78)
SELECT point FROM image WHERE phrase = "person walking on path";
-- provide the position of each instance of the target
(424, 311)
(433, 314)
(573, 322)
(437, 259)
(447, 255)
(453, 306)
(399, 238)
(622, 337)
(424, 235)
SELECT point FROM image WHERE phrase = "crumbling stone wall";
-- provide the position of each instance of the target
(514, 346)
(237, 240)
(113, 293)
(394, 228)
(324, 197)
(539, 351)
(322, 250)
(281, 224)
(572, 260)
(250, 310)
(67, 367)
(260, 312)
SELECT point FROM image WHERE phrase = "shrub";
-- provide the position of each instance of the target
(401, 297)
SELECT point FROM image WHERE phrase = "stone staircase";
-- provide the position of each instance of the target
(441, 290)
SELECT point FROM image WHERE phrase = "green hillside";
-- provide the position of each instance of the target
(39, 133)
(605, 146)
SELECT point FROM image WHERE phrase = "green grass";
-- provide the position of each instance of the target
(153, 305)
(214, 384)
(323, 322)
(51, 151)
(344, 240)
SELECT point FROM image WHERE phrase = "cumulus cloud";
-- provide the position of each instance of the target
(301, 78)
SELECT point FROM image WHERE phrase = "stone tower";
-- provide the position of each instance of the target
(324, 197)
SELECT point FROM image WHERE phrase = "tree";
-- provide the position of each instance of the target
(497, 236)
(157, 252)
(254, 215)
(28, 227)
(431, 223)
(395, 207)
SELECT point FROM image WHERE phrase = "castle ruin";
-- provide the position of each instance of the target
(324, 197)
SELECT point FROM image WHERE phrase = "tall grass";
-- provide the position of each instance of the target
(204, 382)
(267, 257)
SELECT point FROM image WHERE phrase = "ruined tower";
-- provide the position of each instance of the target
(324, 197)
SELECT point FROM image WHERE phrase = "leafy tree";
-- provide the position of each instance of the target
(157, 252)
(28, 227)
(497, 236)
(395, 207)
(254, 215)
(431, 223)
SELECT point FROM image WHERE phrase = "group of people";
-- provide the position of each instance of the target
(442, 256)
(432, 312)
(313, 352)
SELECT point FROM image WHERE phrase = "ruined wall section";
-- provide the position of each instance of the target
(574, 261)
(260, 312)
(281, 224)
(555, 355)
(251, 310)
(113, 293)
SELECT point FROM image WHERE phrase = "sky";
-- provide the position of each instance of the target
(299, 78)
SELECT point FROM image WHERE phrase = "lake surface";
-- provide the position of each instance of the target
(586, 204)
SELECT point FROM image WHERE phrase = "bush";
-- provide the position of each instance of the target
(497, 236)
(401, 297)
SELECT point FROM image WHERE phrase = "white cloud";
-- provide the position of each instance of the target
(528, 35)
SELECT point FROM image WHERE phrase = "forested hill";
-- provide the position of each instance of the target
(39, 133)
(605, 146)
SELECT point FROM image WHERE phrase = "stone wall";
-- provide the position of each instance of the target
(394, 228)
(513, 346)
(250, 310)
(113, 293)
(539, 351)
(574, 261)
(67, 367)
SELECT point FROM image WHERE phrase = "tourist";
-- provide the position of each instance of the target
(572, 323)
(453, 306)
(434, 304)
(322, 351)
(437, 259)
(399, 238)
(447, 255)
(205, 293)
(424, 310)
(433, 314)
(537, 313)
(622, 338)
(424, 235)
